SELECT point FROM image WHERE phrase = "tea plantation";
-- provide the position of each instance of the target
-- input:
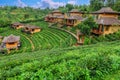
(91, 62)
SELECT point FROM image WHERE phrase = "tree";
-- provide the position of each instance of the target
(96, 4)
(86, 26)
(110, 3)
(117, 5)
(70, 7)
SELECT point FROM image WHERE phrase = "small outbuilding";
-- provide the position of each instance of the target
(31, 29)
(11, 42)
(17, 25)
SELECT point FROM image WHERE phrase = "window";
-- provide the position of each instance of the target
(32, 29)
(26, 28)
(11, 43)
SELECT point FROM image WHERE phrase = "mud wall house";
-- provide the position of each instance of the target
(54, 16)
(49, 18)
(107, 21)
(74, 18)
(17, 25)
(11, 42)
(57, 13)
(31, 29)
(60, 19)
(58, 16)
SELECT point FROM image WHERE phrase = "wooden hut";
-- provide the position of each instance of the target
(11, 42)
(74, 17)
(55, 16)
(107, 21)
(73, 20)
(48, 18)
(17, 25)
(31, 29)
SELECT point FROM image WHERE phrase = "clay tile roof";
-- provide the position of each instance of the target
(32, 27)
(11, 39)
(106, 10)
(108, 21)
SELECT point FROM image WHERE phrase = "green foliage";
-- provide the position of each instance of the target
(96, 4)
(86, 26)
(17, 14)
(4, 22)
(105, 38)
(117, 5)
(70, 7)
(74, 63)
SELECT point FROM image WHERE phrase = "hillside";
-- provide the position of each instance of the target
(15, 14)
(88, 62)
(48, 38)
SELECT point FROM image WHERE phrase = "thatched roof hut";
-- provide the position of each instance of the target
(107, 10)
(10, 39)
(108, 21)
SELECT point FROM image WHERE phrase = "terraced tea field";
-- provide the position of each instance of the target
(46, 39)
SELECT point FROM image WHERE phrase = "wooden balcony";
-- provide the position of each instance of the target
(97, 32)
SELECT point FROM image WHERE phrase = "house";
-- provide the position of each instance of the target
(60, 19)
(48, 18)
(58, 16)
(55, 16)
(74, 18)
(11, 42)
(107, 21)
(17, 25)
(31, 29)
(57, 13)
